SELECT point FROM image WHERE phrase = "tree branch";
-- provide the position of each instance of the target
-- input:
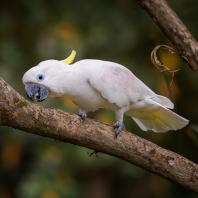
(21, 114)
(174, 29)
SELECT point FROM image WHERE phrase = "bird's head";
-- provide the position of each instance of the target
(41, 81)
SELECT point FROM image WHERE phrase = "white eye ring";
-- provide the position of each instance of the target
(40, 77)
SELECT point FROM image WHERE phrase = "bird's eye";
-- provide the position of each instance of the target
(40, 77)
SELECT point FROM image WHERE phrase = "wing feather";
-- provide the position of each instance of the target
(118, 85)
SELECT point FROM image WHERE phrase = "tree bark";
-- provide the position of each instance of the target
(174, 29)
(21, 114)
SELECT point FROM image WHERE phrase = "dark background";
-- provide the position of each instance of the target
(118, 31)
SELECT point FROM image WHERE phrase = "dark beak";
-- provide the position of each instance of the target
(36, 92)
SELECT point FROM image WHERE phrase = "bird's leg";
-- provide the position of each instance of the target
(82, 113)
(119, 125)
(94, 152)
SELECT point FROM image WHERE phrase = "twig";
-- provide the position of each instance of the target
(174, 29)
(159, 65)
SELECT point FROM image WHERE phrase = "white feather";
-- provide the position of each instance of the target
(157, 118)
(94, 84)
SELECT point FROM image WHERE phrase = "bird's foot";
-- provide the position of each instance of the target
(119, 126)
(94, 153)
(82, 114)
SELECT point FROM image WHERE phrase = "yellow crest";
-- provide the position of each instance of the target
(70, 59)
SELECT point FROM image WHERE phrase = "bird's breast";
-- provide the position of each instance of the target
(88, 98)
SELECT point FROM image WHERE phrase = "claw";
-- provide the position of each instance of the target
(82, 114)
(94, 153)
(119, 126)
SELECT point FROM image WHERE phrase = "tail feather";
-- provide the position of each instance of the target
(147, 125)
(161, 120)
(164, 101)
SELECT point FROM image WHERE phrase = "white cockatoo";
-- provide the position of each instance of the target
(94, 84)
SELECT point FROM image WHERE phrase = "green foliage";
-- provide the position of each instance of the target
(118, 31)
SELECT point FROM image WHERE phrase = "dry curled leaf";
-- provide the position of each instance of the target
(160, 66)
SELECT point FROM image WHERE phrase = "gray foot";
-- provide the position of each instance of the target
(119, 126)
(82, 114)
(94, 153)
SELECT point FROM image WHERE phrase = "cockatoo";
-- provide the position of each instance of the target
(94, 84)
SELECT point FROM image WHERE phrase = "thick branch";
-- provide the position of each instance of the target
(21, 114)
(174, 29)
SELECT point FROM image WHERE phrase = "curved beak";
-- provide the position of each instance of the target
(36, 92)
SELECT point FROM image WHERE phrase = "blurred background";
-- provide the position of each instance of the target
(118, 31)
